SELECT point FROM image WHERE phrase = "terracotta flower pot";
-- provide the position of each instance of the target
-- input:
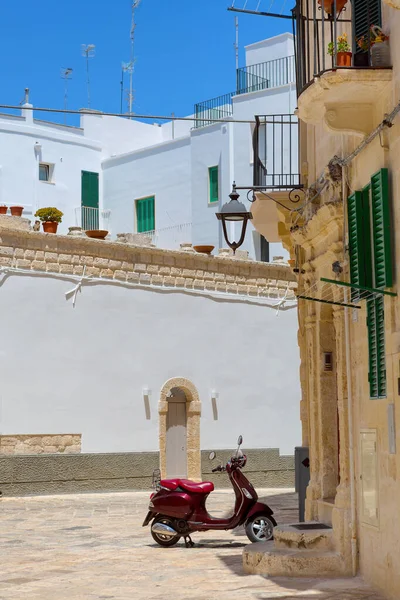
(3, 210)
(16, 211)
(204, 249)
(328, 6)
(50, 226)
(291, 262)
(97, 234)
(344, 59)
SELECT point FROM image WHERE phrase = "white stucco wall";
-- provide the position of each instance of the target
(66, 148)
(270, 49)
(82, 369)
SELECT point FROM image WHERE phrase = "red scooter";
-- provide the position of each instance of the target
(178, 507)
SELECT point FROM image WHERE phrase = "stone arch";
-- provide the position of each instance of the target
(193, 412)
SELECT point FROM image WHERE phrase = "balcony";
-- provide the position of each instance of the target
(342, 96)
(276, 172)
(92, 218)
(253, 78)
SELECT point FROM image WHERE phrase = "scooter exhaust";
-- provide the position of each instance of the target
(163, 529)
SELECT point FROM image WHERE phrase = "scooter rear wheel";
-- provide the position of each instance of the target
(259, 529)
(164, 540)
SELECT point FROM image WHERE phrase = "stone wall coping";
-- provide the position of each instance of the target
(103, 248)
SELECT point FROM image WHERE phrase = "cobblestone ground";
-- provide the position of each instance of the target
(93, 546)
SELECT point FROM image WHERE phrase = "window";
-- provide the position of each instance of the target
(371, 267)
(44, 172)
(145, 214)
(213, 184)
(89, 200)
(365, 14)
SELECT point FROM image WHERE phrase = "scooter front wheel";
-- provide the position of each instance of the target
(259, 529)
(162, 539)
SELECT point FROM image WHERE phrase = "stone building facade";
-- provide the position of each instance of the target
(346, 231)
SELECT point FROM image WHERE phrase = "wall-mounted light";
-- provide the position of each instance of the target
(146, 400)
(38, 147)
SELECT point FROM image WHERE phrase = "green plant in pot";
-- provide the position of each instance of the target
(50, 218)
(343, 51)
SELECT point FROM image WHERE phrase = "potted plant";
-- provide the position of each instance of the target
(361, 59)
(3, 209)
(329, 6)
(343, 51)
(16, 211)
(50, 218)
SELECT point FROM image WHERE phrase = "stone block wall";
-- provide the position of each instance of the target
(40, 444)
(73, 473)
(147, 266)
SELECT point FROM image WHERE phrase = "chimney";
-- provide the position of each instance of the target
(27, 111)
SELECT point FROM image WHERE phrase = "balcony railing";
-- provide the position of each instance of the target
(273, 73)
(216, 108)
(171, 237)
(92, 218)
(319, 23)
(276, 155)
(253, 78)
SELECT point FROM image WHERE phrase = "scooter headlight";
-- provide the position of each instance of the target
(247, 493)
(151, 505)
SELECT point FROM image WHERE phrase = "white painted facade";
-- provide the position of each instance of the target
(136, 160)
(83, 369)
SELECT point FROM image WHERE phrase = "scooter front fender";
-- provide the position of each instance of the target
(260, 508)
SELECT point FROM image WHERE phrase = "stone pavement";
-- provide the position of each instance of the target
(92, 546)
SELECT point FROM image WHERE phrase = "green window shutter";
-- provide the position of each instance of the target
(383, 271)
(376, 347)
(359, 239)
(213, 183)
(145, 220)
(365, 14)
(90, 199)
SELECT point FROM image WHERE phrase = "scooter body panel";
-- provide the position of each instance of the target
(176, 504)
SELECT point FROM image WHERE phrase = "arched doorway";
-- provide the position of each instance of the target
(175, 450)
(179, 412)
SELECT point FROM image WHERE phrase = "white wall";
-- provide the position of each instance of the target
(66, 148)
(95, 359)
(162, 171)
(270, 49)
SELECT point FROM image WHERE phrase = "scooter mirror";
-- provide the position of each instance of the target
(240, 440)
(212, 455)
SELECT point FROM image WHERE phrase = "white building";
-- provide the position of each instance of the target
(172, 178)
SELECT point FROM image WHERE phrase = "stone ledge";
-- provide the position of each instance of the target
(68, 255)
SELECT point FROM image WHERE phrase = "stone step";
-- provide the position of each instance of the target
(264, 559)
(314, 536)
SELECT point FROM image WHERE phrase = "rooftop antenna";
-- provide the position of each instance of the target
(236, 44)
(66, 74)
(88, 52)
(128, 67)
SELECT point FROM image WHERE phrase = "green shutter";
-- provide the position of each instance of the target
(359, 239)
(90, 200)
(213, 182)
(365, 14)
(376, 347)
(145, 220)
(381, 229)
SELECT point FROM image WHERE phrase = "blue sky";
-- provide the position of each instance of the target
(184, 51)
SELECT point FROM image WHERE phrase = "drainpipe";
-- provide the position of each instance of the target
(353, 526)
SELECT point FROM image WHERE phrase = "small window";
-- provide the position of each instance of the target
(213, 184)
(145, 220)
(44, 172)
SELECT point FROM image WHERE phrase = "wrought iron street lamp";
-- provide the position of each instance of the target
(234, 211)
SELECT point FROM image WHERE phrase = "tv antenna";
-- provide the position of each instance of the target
(129, 67)
(88, 52)
(66, 74)
(236, 44)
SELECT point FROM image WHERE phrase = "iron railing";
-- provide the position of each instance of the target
(171, 237)
(276, 152)
(273, 73)
(92, 218)
(317, 27)
(216, 108)
(253, 78)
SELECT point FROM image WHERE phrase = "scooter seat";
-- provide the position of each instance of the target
(204, 487)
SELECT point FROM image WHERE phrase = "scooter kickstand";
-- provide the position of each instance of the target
(189, 543)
